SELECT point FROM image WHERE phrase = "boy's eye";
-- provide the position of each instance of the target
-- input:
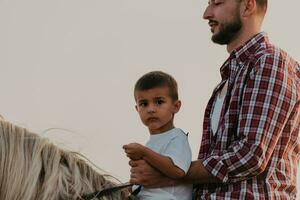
(159, 102)
(143, 104)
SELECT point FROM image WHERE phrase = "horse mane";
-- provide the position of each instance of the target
(33, 168)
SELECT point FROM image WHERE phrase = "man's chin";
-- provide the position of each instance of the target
(218, 40)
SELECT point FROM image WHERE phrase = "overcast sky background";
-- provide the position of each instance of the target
(72, 64)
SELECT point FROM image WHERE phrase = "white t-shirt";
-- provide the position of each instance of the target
(174, 144)
(218, 108)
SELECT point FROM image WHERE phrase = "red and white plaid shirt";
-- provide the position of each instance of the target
(256, 149)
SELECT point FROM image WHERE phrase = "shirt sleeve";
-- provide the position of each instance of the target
(268, 100)
(178, 149)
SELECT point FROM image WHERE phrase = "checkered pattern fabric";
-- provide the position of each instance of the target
(255, 151)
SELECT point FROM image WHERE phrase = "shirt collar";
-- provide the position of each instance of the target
(242, 53)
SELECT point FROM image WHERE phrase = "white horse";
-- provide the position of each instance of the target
(32, 168)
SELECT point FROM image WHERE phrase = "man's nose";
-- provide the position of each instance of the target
(207, 13)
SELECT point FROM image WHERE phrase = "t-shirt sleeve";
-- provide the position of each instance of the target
(178, 149)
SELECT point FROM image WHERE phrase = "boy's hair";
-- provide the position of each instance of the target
(156, 79)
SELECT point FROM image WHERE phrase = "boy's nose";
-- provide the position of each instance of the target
(151, 109)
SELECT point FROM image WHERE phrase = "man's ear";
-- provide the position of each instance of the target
(136, 108)
(177, 105)
(248, 7)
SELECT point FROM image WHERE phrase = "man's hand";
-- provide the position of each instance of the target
(134, 151)
(144, 174)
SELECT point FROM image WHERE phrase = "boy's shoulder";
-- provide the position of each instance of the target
(177, 132)
(173, 134)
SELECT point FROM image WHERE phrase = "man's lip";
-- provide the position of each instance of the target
(212, 24)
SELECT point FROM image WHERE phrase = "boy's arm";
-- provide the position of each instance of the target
(163, 163)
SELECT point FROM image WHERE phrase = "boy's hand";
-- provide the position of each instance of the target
(142, 173)
(134, 151)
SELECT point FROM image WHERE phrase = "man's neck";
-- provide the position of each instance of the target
(240, 41)
(243, 36)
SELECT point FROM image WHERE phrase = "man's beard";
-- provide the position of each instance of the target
(227, 31)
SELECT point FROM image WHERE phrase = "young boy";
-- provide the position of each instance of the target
(167, 150)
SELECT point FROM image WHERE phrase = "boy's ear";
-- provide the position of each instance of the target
(177, 105)
(136, 108)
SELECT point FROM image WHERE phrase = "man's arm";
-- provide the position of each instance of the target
(143, 173)
(198, 174)
(164, 164)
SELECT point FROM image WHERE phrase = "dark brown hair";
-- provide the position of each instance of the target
(156, 79)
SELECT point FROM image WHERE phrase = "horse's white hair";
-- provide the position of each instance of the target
(32, 168)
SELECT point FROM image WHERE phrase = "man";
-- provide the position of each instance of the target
(250, 143)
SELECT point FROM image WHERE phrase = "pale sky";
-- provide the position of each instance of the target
(72, 64)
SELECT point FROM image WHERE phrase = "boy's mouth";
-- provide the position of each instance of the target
(152, 119)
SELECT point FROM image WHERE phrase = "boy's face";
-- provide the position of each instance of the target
(156, 109)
